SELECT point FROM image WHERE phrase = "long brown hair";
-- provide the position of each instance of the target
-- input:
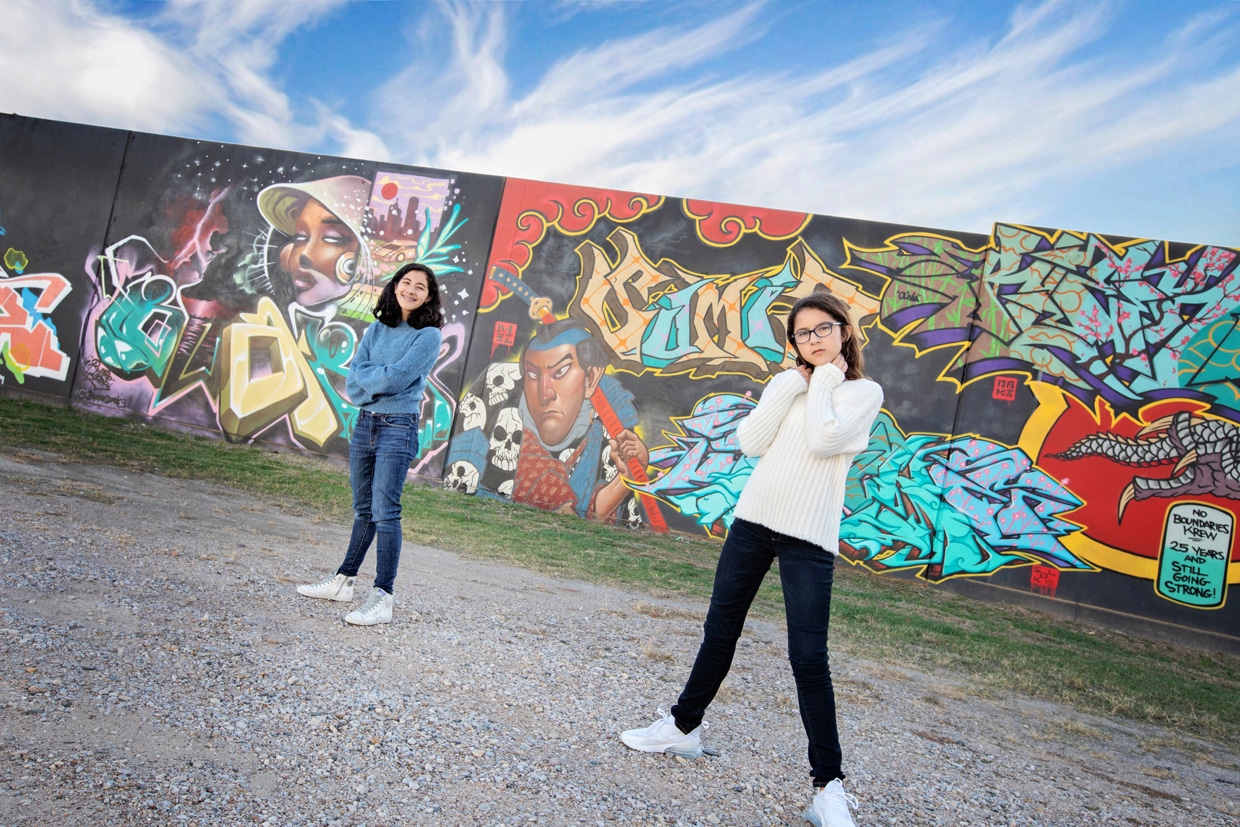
(836, 308)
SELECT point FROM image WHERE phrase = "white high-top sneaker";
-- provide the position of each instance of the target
(337, 587)
(376, 609)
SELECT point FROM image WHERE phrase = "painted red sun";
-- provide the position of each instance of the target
(389, 190)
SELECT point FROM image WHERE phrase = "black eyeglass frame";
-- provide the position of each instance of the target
(802, 337)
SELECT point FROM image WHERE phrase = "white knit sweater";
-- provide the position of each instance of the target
(806, 436)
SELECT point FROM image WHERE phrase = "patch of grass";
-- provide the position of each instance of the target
(999, 650)
(664, 612)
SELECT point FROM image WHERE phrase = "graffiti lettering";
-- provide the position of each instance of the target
(1002, 510)
(705, 469)
(438, 407)
(138, 331)
(936, 296)
(28, 339)
(102, 399)
(669, 320)
(1100, 319)
(1199, 524)
(265, 376)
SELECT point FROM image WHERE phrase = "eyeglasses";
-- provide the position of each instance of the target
(822, 331)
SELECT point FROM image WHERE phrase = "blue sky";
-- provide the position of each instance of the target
(1120, 117)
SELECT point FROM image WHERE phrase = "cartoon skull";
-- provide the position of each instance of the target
(473, 412)
(500, 381)
(609, 468)
(462, 476)
(506, 439)
(628, 514)
(505, 488)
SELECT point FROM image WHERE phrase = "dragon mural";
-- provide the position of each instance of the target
(1205, 453)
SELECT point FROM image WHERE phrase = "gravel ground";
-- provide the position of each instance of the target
(159, 668)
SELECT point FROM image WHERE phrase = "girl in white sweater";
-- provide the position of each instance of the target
(811, 421)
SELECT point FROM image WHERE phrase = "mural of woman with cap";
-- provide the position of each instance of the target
(326, 255)
(386, 379)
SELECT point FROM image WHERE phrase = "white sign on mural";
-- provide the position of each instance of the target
(1192, 564)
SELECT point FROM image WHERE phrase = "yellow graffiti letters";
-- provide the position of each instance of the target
(266, 376)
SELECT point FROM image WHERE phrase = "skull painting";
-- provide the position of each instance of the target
(473, 412)
(628, 515)
(501, 380)
(463, 477)
(506, 439)
(609, 468)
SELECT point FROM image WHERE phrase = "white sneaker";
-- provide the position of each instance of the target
(830, 807)
(664, 736)
(337, 587)
(376, 609)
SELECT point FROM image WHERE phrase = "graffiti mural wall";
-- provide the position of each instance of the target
(1062, 414)
(233, 285)
(57, 183)
(1050, 396)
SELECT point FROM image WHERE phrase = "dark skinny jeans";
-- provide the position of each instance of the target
(806, 572)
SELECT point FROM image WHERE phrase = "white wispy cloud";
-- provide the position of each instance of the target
(193, 64)
(237, 44)
(74, 62)
(915, 130)
(1042, 109)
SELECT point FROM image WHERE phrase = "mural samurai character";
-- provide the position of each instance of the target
(531, 432)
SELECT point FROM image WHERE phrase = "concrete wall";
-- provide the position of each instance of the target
(1061, 415)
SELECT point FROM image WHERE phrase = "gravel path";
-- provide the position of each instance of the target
(159, 668)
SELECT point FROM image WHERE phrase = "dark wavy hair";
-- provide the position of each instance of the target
(836, 308)
(430, 314)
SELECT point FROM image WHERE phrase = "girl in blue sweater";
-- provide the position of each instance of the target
(386, 379)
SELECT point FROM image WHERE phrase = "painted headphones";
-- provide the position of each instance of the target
(346, 268)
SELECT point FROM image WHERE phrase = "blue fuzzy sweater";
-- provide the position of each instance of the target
(389, 370)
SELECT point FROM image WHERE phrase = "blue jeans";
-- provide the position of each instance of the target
(806, 572)
(380, 453)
